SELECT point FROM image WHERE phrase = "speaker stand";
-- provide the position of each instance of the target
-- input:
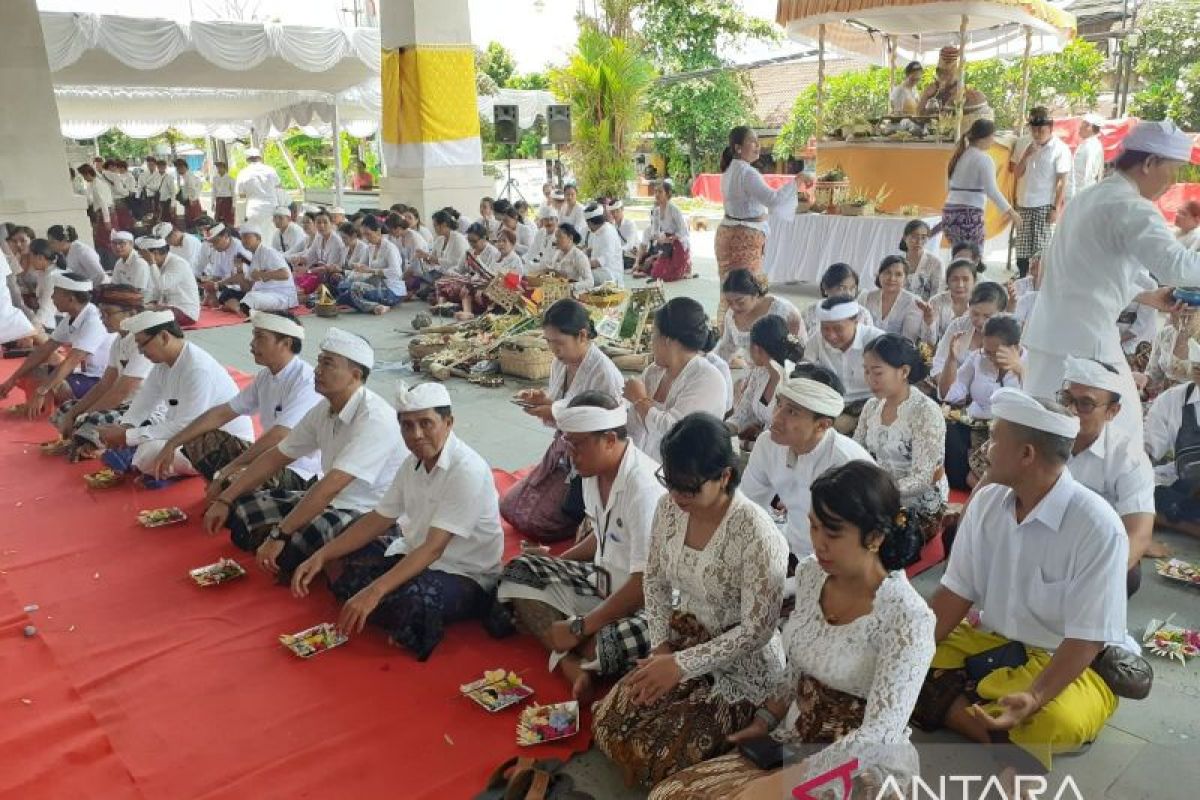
(511, 187)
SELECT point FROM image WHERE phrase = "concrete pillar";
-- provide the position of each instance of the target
(430, 128)
(35, 188)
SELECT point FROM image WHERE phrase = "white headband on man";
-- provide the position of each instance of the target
(547, 212)
(61, 281)
(121, 236)
(215, 231)
(421, 397)
(355, 348)
(1013, 405)
(282, 211)
(1194, 352)
(587, 419)
(150, 243)
(276, 324)
(1087, 372)
(813, 395)
(163, 229)
(593, 211)
(146, 320)
(839, 312)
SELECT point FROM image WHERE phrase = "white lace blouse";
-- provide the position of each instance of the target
(733, 587)
(749, 408)
(574, 266)
(1164, 368)
(880, 657)
(926, 279)
(736, 342)
(943, 315)
(912, 448)
(904, 317)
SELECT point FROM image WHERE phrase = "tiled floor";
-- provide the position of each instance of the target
(1151, 748)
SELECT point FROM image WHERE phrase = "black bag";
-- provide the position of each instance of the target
(766, 753)
(1007, 655)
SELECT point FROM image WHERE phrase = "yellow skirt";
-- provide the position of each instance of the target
(1064, 725)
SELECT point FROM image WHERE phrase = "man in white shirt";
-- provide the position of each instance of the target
(189, 192)
(288, 238)
(605, 247)
(1173, 427)
(1041, 166)
(1111, 234)
(178, 291)
(798, 447)
(358, 438)
(1087, 165)
(259, 184)
(627, 232)
(271, 285)
(148, 182)
(586, 605)
(82, 333)
(1044, 559)
(443, 564)
(1107, 461)
(131, 269)
(168, 187)
(223, 189)
(185, 382)
(182, 244)
(280, 395)
(840, 349)
(541, 252)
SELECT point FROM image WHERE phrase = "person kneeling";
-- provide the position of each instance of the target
(598, 582)
(1044, 559)
(444, 562)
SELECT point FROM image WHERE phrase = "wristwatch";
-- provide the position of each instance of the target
(276, 535)
(575, 624)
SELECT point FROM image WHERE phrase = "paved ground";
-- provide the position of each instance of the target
(1151, 749)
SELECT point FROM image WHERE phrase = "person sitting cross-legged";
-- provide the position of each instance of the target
(839, 349)
(1106, 460)
(281, 394)
(597, 584)
(1044, 559)
(443, 565)
(185, 382)
(356, 433)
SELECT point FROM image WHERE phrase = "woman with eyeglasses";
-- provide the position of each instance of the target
(713, 586)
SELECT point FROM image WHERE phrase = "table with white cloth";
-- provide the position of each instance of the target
(801, 246)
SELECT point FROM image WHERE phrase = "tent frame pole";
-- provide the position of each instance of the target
(1025, 69)
(962, 75)
(820, 116)
(336, 124)
(287, 157)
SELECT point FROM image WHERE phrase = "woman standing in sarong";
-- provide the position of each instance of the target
(539, 505)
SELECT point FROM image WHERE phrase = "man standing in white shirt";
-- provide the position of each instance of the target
(259, 184)
(185, 382)
(1044, 560)
(1107, 461)
(798, 447)
(443, 564)
(1087, 166)
(82, 332)
(149, 182)
(604, 246)
(223, 189)
(168, 187)
(1041, 167)
(1093, 267)
(840, 350)
(280, 395)
(358, 438)
(188, 193)
(587, 605)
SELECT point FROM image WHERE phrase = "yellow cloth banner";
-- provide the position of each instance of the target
(429, 94)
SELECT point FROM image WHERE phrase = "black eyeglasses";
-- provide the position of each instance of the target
(690, 490)
(1084, 405)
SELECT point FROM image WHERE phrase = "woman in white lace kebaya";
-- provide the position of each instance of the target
(747, 299)
(772, 345)
(904, 430)
(894, 308)
(713, 586)
(858, 645)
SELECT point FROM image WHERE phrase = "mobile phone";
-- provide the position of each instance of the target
(766, 753)
(521, 403)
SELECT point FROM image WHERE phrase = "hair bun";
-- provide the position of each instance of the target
(902, 542)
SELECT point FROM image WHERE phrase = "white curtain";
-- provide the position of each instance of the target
(152, 43)
(144, 129)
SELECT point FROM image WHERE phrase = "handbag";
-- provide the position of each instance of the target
(1007, 656)
(1127, 674)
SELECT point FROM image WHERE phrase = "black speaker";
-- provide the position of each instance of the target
(558, 124)
(505, 120)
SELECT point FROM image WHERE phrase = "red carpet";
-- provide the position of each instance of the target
(212, 318)
(141, 684)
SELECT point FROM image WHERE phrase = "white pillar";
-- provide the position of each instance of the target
(35, 188)
(433, 157)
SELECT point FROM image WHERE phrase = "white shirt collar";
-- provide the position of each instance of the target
(348, 411)
(1051, 509)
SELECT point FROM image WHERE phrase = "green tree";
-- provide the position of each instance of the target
(497, 63)
(683, 36)
(1167, 63)
(530, 80)
(605, 81)
(115, 144)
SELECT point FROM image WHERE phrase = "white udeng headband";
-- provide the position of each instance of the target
(61, 281)
(839, 312)
(276, 324)
(587, 419)
(1087, 372)
(813, 395)
(1017, 407)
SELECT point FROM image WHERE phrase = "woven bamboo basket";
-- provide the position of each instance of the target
(608, 300)
(522, 358)
(553, 289)
(634, 362)
(325, 309)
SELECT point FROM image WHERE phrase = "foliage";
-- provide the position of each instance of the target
(529, 80)
(1166, 62)
(605, 81)
(115, 144)
(529, 146)
(496, 62)
(313, 157)
(1071, 78)
(697, 113)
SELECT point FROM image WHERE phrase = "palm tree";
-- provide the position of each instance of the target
(606, 81)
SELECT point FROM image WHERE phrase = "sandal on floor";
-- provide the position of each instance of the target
(538, 784)
(505, 776)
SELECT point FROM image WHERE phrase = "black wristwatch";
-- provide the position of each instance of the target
(576, 626)
(277, 535)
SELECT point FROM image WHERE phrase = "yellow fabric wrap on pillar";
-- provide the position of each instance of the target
(429, 105)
